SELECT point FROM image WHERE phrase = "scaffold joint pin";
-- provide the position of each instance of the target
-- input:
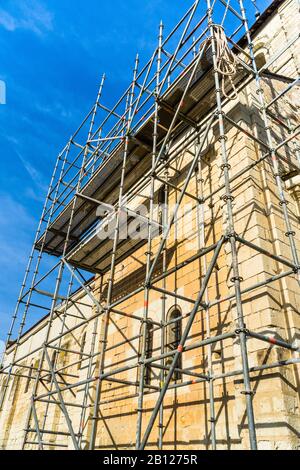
(248, 392)
(242, 330)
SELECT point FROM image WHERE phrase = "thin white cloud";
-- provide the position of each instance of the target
(32, 194)
(12, 212)
(17, 226)
(7, 21)
(56, 109)
(34, 174)
(30, 15)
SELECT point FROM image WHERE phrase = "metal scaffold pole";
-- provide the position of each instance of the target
(228, 198)
(54, 301)
(105, 322)
(149, 247)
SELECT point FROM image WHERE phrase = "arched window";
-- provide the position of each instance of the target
(53, 359)
(28, 381)
(162, 195)
(3, 385)
(53, 363)
(173, 337)
(148, 349)
(14, 387)
(162, 201)
(82, 346)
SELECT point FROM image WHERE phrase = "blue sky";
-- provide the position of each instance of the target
(52, 56)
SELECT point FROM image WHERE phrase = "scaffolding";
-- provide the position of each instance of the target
(208, 53)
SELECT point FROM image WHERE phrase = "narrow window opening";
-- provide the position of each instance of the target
(53, 362)
(173, 337)
(27, 385)
(14, 387)
(148, 350)
(82, 346)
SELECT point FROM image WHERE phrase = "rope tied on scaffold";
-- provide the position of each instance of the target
(227, 61)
